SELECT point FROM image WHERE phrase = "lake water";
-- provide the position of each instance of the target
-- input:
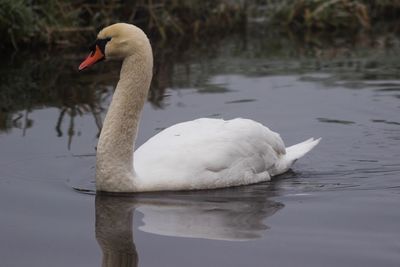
(339, 206)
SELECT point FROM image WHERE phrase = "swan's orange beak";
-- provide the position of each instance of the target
(94, 57)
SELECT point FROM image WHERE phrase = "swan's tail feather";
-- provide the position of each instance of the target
(293, 153)
(297, 151)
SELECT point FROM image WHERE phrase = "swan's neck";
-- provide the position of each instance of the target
(114, 162)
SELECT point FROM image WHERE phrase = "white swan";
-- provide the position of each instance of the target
(198, 154)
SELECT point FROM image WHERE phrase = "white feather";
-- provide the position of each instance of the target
(211, 153)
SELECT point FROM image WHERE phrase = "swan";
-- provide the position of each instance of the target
(199, 154)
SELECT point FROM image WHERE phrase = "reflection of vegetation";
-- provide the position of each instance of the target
(29, 82)
(265, 52)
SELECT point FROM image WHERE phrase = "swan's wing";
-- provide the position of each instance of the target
(207, 153)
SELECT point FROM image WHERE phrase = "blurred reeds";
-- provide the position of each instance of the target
(57, 22)
(27, 23)
(333, 15)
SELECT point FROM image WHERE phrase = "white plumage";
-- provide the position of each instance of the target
(211, 153)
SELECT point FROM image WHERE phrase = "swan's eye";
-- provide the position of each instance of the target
(101, 43)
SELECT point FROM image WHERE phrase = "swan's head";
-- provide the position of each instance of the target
(117, 41)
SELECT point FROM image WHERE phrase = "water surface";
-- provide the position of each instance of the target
(339, 206)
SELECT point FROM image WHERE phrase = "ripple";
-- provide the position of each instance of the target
(240, 101)
(386, 122)
(327, 120)
(394, 89)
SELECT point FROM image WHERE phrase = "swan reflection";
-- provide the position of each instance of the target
(114, 231)
(227, 214)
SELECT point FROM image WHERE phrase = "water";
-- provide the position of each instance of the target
(338, 207)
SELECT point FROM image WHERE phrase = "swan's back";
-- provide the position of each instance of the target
(207, 153)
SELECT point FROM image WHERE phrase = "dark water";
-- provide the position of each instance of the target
(338, 207)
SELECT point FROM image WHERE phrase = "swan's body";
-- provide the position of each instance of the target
(199, 154)
(210, 153)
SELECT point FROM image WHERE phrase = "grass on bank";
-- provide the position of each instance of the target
(70, 22)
